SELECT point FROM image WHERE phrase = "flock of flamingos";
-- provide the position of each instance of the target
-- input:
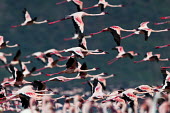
(19, 95)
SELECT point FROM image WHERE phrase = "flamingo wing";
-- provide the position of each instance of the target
(154, 58)
(78, 23)
(18, 54)
(83, 67)
(71, 63)
(116, 36)
(129, 55)
(1, 40)
(27, 16)
(79, 4)
(164, 73)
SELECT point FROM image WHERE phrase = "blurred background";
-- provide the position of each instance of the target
(43, 37)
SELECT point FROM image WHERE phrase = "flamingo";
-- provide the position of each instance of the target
(29, 20)
(53, 51)
(51, 64)
(78, 20)
(78, 3)
(60, 79)
(158, 47)
(26, 72)
(115, 31)
(166, 79)
(4, 44)
(3, 57)
(103, 4)
(122, 54)
(98, 93)
(143, 29)
(72, 66)
(168, 17)
(38, 55)
(152, 57)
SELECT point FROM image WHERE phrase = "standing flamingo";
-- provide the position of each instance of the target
(78, 3)
(115, 31)
(122, 54)
(4, 44)
(29, 20)
(152, 57)
(72, 66)
(103, 4)
(78, 20)
(143, 29)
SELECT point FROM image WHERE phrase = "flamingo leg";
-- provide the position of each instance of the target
(111, 61)
(127, 36)
(57, 21)
(138, 61)
(157, 47)
(41, 69)
(15, 26)
(168, 17)
(90, 7)
(68, 38)
(54, 73)
(96, 33)
(162, 23)
(60, 2)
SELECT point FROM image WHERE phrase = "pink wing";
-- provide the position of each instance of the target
(27, 16)
(1, 40)
(79, 22)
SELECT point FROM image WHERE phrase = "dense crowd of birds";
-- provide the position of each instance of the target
(20, 95)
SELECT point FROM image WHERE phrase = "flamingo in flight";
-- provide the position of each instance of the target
(78, 36)
(152, 57)
(78, 20)
(51, 63)
(29, 20)
(122, 54)
(4, 44)
(103, 4)
(168, 17)
(72, 66)
(158, 47)
(166, 79)
(115, 31)
(39, 55)
(3, 57)
(78, 3)
(143, 29)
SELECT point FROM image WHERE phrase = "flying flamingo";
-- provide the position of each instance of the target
(115, 31)
(38, 55)
(53, 51)
(168, 17)
(166, 79)
(122, 54)
(3, 57)
(60, 79)
(78, 3)
(78, 20)
(29, 20)
(158, 47)
(98, 93)
(4, 44)
(51, 63)
(103, 4)
(72, 66)
(143, 29)
(26, 72)
(152, 57)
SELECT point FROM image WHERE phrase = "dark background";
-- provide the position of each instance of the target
(43, 37)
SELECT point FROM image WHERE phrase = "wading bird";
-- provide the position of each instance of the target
(143, 29)
(152, 57)
(115, 31)
(122, 54)
(29, 20)
(103, 4)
